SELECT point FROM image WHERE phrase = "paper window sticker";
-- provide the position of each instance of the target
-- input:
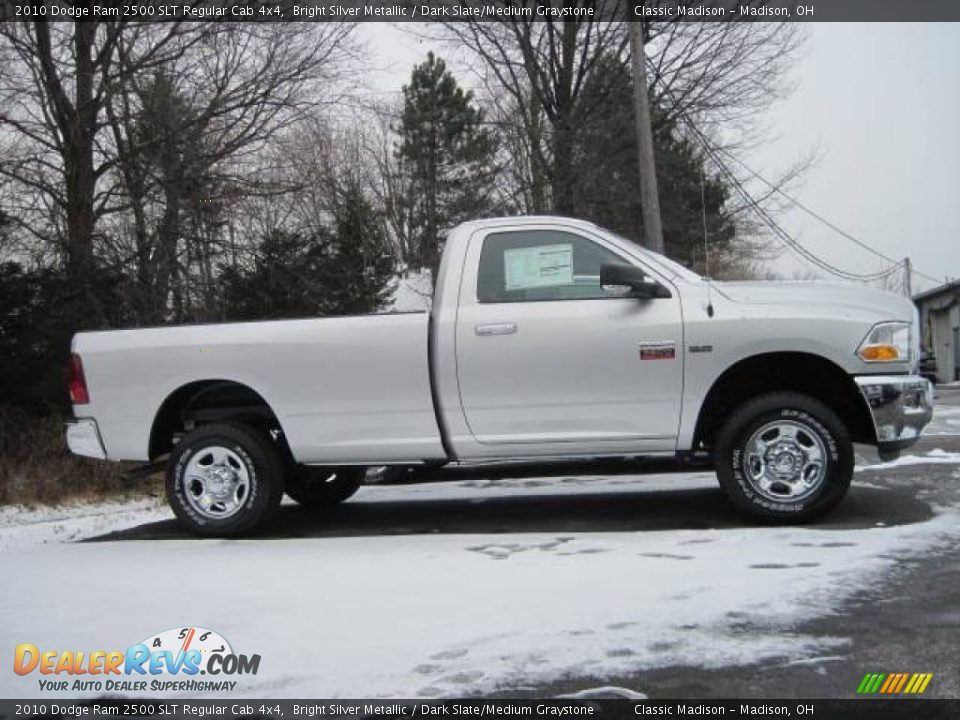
(538, 267)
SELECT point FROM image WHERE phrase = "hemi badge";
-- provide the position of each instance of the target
(701, 348)
(658, 351)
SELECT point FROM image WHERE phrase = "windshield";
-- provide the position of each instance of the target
(671, 266)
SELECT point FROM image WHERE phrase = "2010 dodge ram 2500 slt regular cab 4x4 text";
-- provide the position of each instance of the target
(548, 338)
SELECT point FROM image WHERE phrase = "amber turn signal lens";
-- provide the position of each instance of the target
(873, 353)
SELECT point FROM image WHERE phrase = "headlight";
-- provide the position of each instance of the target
(887, 342)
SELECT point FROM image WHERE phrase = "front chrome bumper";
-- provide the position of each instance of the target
(900, 405)
(83, 438)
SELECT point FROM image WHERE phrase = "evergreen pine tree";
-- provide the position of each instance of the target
(446, 156)
(345, 268)
(607, 178)
(357, 266)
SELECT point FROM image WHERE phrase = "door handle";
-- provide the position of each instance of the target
(496, 329)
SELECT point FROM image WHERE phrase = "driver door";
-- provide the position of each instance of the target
(551, 363)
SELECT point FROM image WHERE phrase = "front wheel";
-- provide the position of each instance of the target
(784, 457)
(223, 480)
(323, 486)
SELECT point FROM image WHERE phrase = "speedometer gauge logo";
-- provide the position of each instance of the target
(183, 640)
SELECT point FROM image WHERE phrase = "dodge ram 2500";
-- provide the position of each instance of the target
(547, 338)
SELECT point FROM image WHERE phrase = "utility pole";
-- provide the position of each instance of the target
(907, 285)
(649, 195)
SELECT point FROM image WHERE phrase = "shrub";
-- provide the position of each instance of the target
(36, 467)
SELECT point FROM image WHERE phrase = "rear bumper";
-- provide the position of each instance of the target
(900, 405)
(83, 438)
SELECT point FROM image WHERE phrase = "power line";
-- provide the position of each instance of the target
(803, 207)
(778, 230)
(818, 216)
(773, 225)
(791, 242)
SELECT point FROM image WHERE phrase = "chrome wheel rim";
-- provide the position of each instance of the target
(785, 460)
(216, 482)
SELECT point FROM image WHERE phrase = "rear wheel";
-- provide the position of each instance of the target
(784, 457)
(323, 486)
(224, 480)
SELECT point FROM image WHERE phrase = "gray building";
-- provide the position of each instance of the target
(940, 328)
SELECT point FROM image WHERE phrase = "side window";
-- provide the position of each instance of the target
(526, 265)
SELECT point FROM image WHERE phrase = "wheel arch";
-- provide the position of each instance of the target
(205, 401)
(801, 372)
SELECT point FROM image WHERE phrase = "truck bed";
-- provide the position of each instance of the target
(345, 389)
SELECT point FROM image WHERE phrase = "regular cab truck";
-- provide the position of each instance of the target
(548, 339)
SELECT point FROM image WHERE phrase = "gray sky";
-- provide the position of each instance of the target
(881, 105)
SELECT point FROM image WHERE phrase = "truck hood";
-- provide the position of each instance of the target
(856, 299)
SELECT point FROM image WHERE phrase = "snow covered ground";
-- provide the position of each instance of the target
(26, 528)
(932, 457)
(413, 293)
(449, 614)
(946, 421)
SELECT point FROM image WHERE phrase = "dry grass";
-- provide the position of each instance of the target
(36, 468)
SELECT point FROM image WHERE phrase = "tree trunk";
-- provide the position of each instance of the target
(564, 200)
(538, 173)
(78, 125)
(76, 122)
(166, 253)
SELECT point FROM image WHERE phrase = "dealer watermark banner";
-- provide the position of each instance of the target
(488, 10)
(551, 708)
(177, 660)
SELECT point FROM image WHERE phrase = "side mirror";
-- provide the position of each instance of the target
(629, 276)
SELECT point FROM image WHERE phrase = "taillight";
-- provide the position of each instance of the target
(77, 382)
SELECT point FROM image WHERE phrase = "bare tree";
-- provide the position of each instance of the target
(719, 75)
(57, 81)
(140, 120)
(189, 138)
(523, 184)
(306, 171)
(543, 65)
(391, 185)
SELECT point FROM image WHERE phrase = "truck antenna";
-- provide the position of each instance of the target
(706, 245)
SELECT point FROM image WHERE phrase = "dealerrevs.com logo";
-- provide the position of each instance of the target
(173, 660)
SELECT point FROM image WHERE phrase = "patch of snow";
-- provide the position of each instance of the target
(946, 421)
(814, 660)
(413, 293)
(435, 615)
(872, 486)
(27, 527)
(934, 457)
(605, 692)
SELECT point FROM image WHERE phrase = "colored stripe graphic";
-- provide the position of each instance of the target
(903, 681)
(891, 680)
(870, 683)
(894, 683)
(918, 683)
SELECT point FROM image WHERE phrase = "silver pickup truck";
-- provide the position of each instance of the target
(548, 338)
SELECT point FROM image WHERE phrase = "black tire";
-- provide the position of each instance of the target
(249, 452)
(817, 426)
(323, 486)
